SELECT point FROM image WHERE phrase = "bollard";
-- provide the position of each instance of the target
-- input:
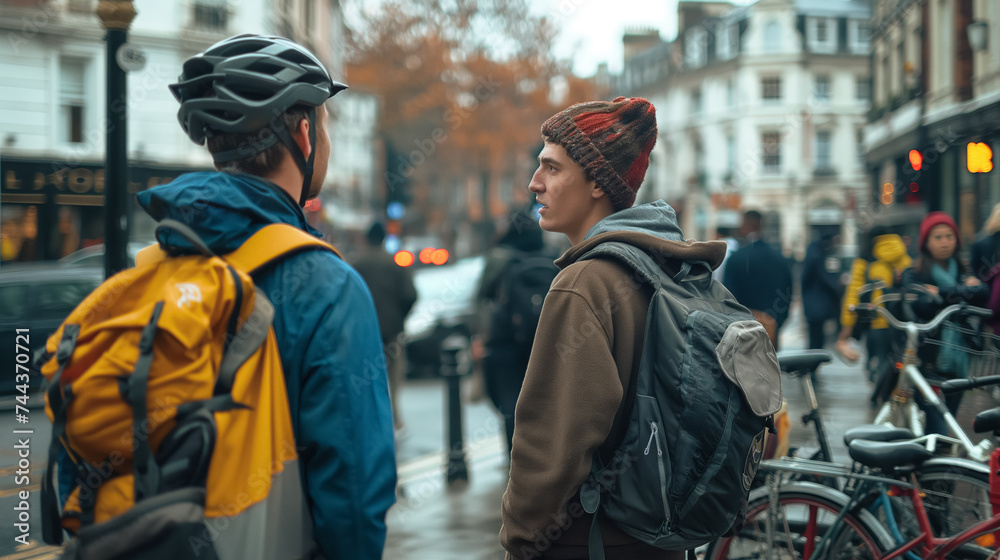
(457, 467)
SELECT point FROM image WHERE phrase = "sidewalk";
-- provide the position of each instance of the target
(431, 520)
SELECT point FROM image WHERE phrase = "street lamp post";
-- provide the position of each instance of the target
(116, 17)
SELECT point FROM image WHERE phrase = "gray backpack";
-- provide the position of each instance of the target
(707, 388)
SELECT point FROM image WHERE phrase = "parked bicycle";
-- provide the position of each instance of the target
(958, 485)
(803, 520)
(901, 409)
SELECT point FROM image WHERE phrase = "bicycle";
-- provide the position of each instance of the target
(806, 520)
(964, 480)
(901, 409)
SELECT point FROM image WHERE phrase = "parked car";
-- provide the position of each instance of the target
(35, 298)
(446, 304)
(94, 255)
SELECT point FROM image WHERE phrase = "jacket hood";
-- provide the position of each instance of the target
(224, 209)
(891, 249)
(651, 227)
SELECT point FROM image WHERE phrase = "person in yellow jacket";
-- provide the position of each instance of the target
(884, 259)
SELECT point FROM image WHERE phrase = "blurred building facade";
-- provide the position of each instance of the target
(934, 128)
(52, 105)
(760, 107)
(352, 199)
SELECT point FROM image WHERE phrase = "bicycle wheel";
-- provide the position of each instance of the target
(956, 497)
(806, 513)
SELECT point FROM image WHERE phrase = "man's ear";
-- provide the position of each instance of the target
(301, 137)
(596, 191)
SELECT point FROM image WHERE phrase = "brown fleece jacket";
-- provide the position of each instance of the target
(586, 349)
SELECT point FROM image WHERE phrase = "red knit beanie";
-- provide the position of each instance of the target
(610, 140)
(933, 220)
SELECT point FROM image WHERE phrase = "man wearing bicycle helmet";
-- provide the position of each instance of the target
(257, 102)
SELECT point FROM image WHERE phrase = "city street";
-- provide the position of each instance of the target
(432, 520)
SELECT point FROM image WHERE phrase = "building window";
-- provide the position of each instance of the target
(822, 88)
(771, 89)
(771, 151)
(72, 85)
(211, 14)
(821, 33)
(696, 101)
(727, 39)
(695, 48)
(859, 32)
(823, 162)
(863, 89)
(772, 36)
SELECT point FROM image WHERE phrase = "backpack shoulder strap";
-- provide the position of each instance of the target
(272, 243)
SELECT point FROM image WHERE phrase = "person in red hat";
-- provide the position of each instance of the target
(574, 403)
(940, 270)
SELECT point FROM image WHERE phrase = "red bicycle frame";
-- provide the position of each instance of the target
(930, 547)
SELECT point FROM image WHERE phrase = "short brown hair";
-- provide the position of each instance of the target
(259, 164)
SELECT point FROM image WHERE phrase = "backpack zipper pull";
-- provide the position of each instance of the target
(652, 437)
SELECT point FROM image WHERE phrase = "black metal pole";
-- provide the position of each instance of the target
(457, 468)
(116, 160)
(116, 16)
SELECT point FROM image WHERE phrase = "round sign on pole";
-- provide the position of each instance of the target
(130, 58)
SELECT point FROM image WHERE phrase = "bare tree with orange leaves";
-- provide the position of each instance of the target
(464, 87)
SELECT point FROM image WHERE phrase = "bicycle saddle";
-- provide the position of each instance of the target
(987, 421)
(802, 360)
(888, 456)
(877, 432)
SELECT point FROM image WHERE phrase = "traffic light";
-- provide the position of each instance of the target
(979, 157)
(916, 160)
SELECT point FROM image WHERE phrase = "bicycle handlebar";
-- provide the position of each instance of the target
(958, 385)
(928, 326)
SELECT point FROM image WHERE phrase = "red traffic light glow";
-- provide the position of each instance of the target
(425, 255)
(403, 258)
(439, 256)
(916, 159)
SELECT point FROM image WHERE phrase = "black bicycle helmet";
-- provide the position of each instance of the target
(244, 84)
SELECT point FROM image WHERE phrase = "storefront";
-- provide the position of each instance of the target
(931, 169)
(49, 208)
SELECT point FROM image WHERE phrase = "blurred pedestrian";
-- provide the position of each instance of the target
(577, 397)
(394, 294)
(939, 269)
(259, 103)
(727, 228)
(512, 290)
(821, 288)
(883, 258)
(760, 277)
(986, 264)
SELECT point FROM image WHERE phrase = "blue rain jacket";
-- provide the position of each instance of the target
(331, 350)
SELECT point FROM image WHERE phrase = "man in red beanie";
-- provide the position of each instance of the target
(576, 398)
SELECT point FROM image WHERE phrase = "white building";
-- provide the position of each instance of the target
(351, 201)
(52, 103)
(760, 107)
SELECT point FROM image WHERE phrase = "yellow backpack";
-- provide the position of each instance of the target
(167, 392)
